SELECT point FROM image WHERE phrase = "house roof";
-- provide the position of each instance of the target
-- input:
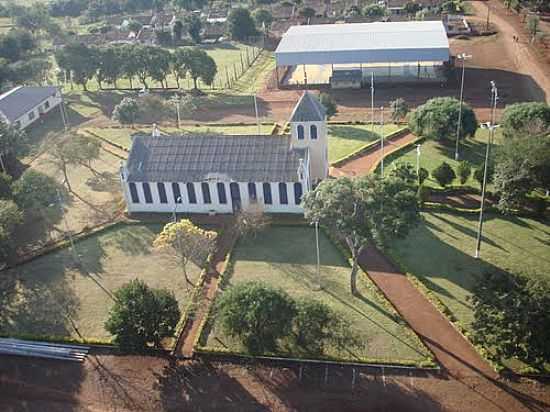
(379, 42)
(196, 158)
(308, 109)
(20, 100)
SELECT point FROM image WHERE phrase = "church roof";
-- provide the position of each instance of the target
(196, 158)
(308, 109)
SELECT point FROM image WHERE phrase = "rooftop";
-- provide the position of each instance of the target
(196, 158)
(378, 42)
(308, 109)
(20, 100)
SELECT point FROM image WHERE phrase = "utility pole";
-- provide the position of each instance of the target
(71, 241)
(491, 126)
(463, 57)
(418, 162)
(372, 98)
(382, 139)
(178, 201)
(318, 255)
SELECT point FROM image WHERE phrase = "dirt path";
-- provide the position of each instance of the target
(368, 162)
(186, 341)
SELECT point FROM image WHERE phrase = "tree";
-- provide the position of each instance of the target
(34, 190)
(329, 104)
(352, 208)
(198, 64)
(307, 12)
(438, 117)
(110, 65)
(130, 62)
(422, 175)
(32, 70)
(406, 172)
(194, 27)
(141, 316)
(126, 111)
(80, 60)
(34, 18)
(399, 109)
(10, 217)
(188, 243)
(5, 186)
(526, 119)
(159, 64)
(177, 30)
(241, 24)
(479, 171)
(189, 5)
(13, 143)
(134, 26)
(262, 17)
(443, 174)
(463, 171)
(533, 26)
(251, 221)
(411, 8)
(256, 314)
(374, 10)
(511, 316)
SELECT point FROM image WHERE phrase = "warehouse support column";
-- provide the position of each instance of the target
(277, 75)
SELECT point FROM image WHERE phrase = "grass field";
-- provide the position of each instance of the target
(345, 139)
(513, 244)
(433, 153)
(123, 136)
(47, 297)
(284, 257)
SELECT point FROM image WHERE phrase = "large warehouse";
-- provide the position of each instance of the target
(347, 55)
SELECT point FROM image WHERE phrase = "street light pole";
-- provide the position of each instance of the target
(491, 126)
(463, 57)
(382, 140)
(372, 98)
(418, 162)
(318, 255)
(178, 201)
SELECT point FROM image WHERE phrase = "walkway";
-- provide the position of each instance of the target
(367, 163)
(455, 354)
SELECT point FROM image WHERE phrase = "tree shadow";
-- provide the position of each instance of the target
(40, 384)
(104, 182)
(352, 133)
(104, 101)
(134, 240)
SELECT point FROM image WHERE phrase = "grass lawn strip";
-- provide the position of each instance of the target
(272, 259)
(48, 295)
(513, 244)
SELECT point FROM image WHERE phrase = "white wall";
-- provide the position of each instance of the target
(318, 148)
(215, 207)
(38, 110)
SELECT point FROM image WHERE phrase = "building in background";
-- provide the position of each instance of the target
(24, 105)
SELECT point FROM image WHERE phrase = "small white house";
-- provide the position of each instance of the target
(24, 105)
(226, 173)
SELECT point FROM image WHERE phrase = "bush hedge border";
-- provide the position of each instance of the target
(228, 271)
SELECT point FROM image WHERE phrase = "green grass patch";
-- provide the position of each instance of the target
(440, 253)
(48, 296)
(254, 78)
(270, 258)
(345, 139)
(123, 136)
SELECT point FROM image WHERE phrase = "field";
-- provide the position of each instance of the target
(271, 259)
(49, 296)
(343, 140)
(513, 244)
(433, 153)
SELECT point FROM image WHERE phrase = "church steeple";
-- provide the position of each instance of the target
(308, 130)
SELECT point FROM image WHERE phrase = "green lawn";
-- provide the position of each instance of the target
(345, 139)
(122, 136)
(433, 153)
(47, 297)
(440, 252)
(284, 257)
(255, 77)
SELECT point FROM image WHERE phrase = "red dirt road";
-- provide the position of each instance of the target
(367, 163)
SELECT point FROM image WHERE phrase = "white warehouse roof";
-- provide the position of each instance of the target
(381, 42)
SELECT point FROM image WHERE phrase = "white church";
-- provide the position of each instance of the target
(225, 173)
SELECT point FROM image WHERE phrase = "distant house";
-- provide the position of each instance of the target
(225, 173)
(24, 105)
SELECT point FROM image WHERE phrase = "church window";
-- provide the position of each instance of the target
(313, 131)
(267, 194)
(162, 192)
(134, 193)
(298, 191)
(177, 193)
(206, 193)
(252, 192)
(300, 132)
(191, 193)
(283, 195)
(221, 193)
(147, 193)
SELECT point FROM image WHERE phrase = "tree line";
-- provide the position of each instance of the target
(110, 64)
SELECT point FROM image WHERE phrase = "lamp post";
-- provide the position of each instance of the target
(463, 57)
(382, 140)
(372, 98)
(176, 100)
(319, 287)
(178, 201)
(491, 126)
(418, 162)
(71, 241)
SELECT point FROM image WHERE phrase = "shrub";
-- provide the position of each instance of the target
(313, 325)
(424, 194)
(126, 111)
(463, 171)
(35, 190)
(524, 119)
(478, 173)
(443, 174)
(422, 175)
(329, 104)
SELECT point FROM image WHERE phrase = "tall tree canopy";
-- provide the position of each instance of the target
(197, 63)
(525, 119)
(438, 118)
(363, 210)
(241, 24)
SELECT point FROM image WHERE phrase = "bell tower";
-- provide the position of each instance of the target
(308, 130)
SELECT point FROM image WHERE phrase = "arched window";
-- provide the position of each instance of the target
(283, 195)
(298, 193)
(222, 197)
(300, 132)
(252, 192)
(177, 193)
(206, 193)
(191, 193)
(162, 192)
(134, 193)
(147, 193)
(267, 194)
(313, 131)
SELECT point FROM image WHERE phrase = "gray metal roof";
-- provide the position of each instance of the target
(308, 109)
(16, 102)
(195, 158)
(381, 42)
